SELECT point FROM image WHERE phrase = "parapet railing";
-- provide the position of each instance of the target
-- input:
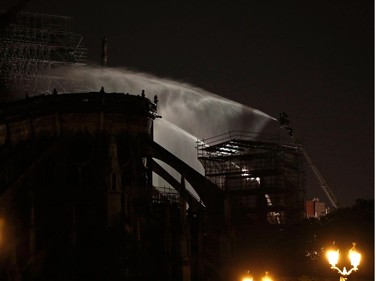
(225, 139)
(76, 102)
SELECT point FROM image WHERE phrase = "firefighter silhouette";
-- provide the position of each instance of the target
(284, 123)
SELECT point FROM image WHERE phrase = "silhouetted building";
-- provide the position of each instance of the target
(78, 201)
(77, 198)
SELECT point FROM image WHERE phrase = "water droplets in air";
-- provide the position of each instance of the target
(188, 112)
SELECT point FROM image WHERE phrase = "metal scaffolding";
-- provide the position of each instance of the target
(32, 46)
(163, 194)
(263, 176)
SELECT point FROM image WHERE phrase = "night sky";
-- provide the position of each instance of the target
(313, 60)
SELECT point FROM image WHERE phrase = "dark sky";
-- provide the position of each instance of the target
(311, 59)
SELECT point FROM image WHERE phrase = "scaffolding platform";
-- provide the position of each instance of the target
(32, 46)
(262, 175)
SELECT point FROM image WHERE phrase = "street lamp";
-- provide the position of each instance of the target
(248, 277)
(266, 277)
(333, 259)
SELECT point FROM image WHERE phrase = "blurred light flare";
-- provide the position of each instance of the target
(266, 277)
(354, 256)
(333, 257)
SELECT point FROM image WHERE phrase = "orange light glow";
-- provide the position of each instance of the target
(333, 257)
(248, 277)
(354, 256)
(266, 277)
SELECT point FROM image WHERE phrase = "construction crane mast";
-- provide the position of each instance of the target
(323, 184)
(285, 124)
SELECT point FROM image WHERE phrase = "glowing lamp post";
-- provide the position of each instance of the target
(333, 259)
(248, 277)
(266, 277)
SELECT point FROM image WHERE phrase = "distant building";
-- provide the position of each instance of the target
(315, 209)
